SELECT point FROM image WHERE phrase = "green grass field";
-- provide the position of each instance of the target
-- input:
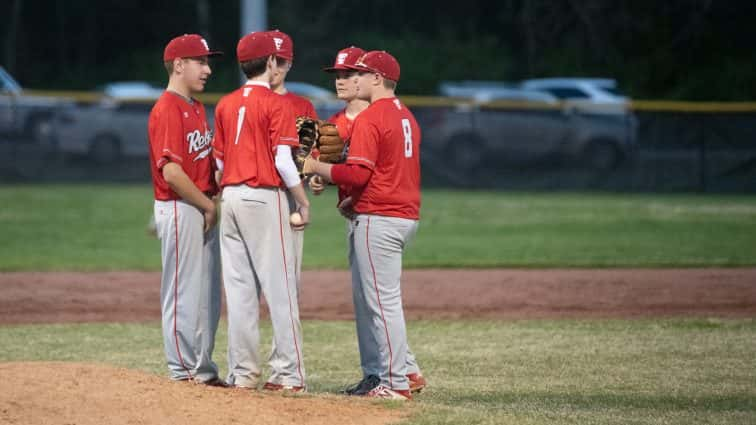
(660, 371)
(693, 371)
(102, 227)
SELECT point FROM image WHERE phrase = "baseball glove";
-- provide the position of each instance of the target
(307, 130)
(329, 143)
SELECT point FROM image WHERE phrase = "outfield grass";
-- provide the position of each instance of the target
(102, 227)
(681, 371)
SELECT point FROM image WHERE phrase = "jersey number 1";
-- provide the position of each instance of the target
(239, 122)
(407, 130)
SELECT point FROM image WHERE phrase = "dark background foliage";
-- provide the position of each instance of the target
(672, 49)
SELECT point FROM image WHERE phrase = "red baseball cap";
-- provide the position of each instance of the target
(344, 58)
(284, 44)
(378, 61)
(187, 46)
(256, 45)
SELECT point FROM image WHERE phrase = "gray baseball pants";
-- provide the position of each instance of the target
(190, 293)
(258, 259)
(376, 245)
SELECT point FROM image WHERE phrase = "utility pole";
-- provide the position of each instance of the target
(254, 17)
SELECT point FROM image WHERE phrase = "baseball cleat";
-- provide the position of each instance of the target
(364, 386)
(384, 392)
(416, 382)
(215, 382)
(269, 386)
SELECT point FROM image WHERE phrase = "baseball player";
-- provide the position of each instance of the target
(185, 213)
(301, 107)
(255, 131)
(383, 172)
(346, 90)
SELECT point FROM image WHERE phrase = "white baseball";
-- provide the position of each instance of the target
(295, 218)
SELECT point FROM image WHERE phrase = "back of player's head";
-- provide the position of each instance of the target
(255, 45)
(345, 58)
(379, 62)
(253, 51)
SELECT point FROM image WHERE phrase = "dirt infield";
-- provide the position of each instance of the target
(64, 393)
(91, 394)
(491, 293)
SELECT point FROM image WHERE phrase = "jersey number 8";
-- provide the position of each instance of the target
(407, 138)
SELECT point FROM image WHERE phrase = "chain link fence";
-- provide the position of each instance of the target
(650, 146)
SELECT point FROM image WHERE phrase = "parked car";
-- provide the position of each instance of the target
(24, 116)
(487, 91)
(589, 95)
(521, 126)
(113, 126)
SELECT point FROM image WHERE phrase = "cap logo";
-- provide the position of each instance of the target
(360, 62)
(341, 58)
(204, 43)
(279, 42)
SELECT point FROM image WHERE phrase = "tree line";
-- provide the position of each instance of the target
(673, 49)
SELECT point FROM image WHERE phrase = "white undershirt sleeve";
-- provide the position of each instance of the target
(286, 167)
(219, 163)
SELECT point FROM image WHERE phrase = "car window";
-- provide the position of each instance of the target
(613, 91)
(567, 92)
(8, 83)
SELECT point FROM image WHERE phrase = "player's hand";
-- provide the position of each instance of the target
(345, 208)
(317, 185)
(211, 217)
(304, 212)
(308, 167)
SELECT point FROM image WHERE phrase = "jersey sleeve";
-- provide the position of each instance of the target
(283, 128)
(169, 135)
(363, 147)
(219, 134)
(311, 110)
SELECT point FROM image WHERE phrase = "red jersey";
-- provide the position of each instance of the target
(302, 106)
(249, 123)
(178, 132)
(386, 139)
(344, 126)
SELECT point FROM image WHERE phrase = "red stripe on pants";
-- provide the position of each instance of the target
(175, 291)
(288, 293)
(378, 295)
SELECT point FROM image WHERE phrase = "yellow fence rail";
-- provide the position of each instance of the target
(435, 101)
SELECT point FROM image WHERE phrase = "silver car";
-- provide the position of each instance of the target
(511, 124)
(113, 126)
(27, 117)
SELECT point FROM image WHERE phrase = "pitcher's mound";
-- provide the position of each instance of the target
(83, 394)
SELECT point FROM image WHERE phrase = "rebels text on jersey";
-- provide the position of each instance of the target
(178, 132)
(386, 139)
(249, 123)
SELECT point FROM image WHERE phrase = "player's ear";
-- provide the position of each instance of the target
(178, 65)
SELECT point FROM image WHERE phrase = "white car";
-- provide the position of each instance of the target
(489, 91)
(590, 95)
